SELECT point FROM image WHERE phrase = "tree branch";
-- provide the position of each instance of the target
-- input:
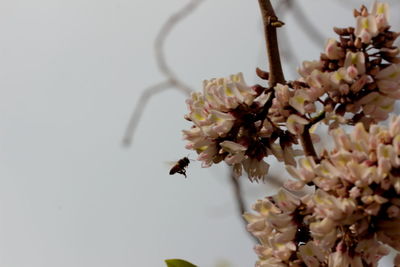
(160, 40)
(239, 200)
(307, 144)
(271, 22)
(141, 104)
(308, 26)
(305, 137)
(172, 81)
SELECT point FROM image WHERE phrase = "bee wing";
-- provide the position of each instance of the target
(169, 164)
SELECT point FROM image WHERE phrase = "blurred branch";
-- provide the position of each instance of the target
(306, 24)
(288, 55)
(172, 81)
(165, 30)
(139, 108)
(285, 7)
(239, 200)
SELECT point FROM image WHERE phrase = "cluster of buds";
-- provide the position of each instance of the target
(352, 213)
(356, 79)
(230, 124)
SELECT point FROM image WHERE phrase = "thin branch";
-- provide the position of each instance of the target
(172, 81)
(308, 26)
(165, 30)
(312, 32)
(141, 104)
(271, 22)
(239, 200)
(288, 55)
(307, 144)
(305, 137)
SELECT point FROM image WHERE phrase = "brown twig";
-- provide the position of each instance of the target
(271, 22)
(305, 137)
(239, 200)
(307, 144)
(172, 81)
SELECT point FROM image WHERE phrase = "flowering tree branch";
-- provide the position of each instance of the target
(276, 75)
(353, 211)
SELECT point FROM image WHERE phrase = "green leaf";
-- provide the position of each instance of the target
(178, 263)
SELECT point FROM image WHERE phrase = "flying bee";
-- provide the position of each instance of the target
(180, 166)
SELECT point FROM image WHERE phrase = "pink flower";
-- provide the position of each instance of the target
(207, 154)
(332, 49)
(299, 100)
(381, 13)
(377, 105)
(357, 60)
(256, 169)
(306, 172)
(339, 259)
(227, 93)
(366, 28)
(295, 124)
(340, 76)
(308, 67)
(388, 81)
(282, 93)
(286, 201)
(311, 254)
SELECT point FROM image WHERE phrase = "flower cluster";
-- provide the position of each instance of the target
(358, 75)
(357, 79)
(230, 124)
(352, 213)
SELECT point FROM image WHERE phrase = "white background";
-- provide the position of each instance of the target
(71, 72)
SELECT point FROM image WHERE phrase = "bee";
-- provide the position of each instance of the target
(180, 166)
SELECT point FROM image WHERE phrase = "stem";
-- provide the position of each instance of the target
(305, 137)
(307, 144)
(240, 201)
(271, 22)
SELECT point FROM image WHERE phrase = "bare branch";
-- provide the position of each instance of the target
(308, 26)
(239, 199)
(141, 104)
(165, 30)
(172, 81)
(271, 22)
(287, 53)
